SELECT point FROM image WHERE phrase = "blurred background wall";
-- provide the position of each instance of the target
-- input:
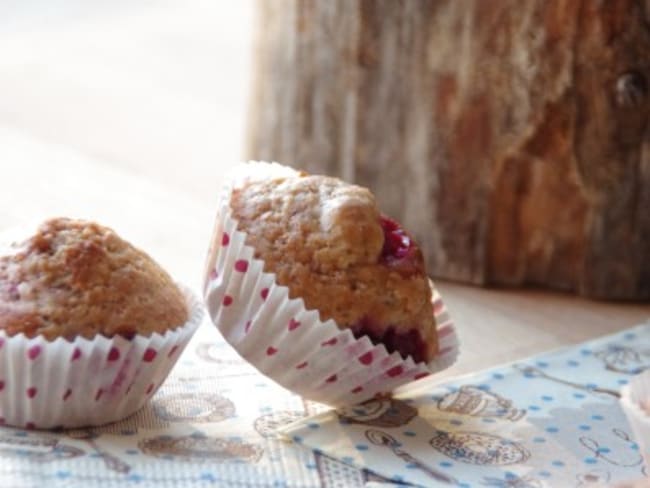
(156, 87)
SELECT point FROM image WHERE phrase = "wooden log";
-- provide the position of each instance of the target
(513, 138)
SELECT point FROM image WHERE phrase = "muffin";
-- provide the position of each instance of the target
(74, 278)
(328, 243)
(311, 284)
(90, 326)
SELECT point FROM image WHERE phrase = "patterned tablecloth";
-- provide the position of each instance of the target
(552, 420)
(214, 423)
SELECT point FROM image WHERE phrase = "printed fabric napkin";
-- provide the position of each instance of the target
(214, 422)
(211, 424)
(552, 420)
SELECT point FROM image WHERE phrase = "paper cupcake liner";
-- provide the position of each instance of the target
(289, 343)
(635, 401)
(47, 384)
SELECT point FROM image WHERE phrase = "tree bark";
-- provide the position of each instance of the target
(512, 138)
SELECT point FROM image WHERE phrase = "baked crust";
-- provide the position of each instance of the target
(76, 278)
(327, 242)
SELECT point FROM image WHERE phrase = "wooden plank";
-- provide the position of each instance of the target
(512, 137)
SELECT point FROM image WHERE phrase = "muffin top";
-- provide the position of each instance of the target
(76, 278)
(328, 243)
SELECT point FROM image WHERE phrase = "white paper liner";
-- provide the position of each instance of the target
(289, 343)
(86, 382)
(635, 401)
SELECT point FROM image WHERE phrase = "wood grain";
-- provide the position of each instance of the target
(512, 137)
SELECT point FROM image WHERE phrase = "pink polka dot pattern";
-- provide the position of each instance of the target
(366, 358)
(395, 371)
(33, 352)
(82, 382)
(149, 355)
(113, 354)
(76, 354)
(241, 265)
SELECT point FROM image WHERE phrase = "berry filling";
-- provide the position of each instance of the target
(409, 343)
(399, 251)
(397, 243)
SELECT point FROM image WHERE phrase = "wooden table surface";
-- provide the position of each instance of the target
(131, 116)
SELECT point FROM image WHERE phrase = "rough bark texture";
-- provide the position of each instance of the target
(511, 137)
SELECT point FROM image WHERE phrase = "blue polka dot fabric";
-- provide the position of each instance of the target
(552, 420)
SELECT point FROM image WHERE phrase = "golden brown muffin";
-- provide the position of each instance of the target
(328, 243)
(76, 278)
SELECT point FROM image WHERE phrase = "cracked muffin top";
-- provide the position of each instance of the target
(77, 278)
(327, 241)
